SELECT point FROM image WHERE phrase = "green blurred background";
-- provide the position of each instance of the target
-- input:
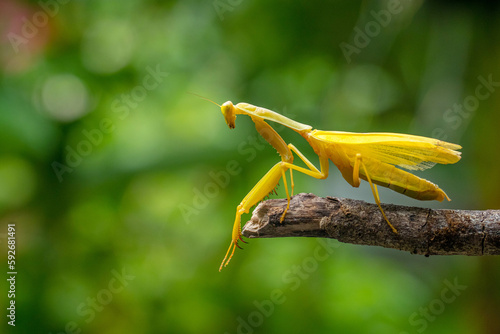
(109, 168)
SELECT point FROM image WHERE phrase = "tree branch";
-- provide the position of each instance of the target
(420, 231)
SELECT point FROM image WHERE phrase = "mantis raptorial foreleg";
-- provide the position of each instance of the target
(265, 186)
(357, 162)
(258, 192)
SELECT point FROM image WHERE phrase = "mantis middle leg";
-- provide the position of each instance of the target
(313, 171)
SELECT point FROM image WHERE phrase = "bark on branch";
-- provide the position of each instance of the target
(420, 231)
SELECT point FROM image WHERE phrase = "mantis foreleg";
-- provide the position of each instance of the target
(265, 186)
(258, 192)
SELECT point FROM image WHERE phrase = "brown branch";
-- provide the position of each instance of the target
(420, 231)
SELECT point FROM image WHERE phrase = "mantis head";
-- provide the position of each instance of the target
(229, 112)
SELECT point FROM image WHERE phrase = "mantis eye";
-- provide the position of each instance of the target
(228, 110)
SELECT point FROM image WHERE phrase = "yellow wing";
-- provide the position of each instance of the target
(407, 151)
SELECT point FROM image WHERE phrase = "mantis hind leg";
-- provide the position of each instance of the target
(357, 163)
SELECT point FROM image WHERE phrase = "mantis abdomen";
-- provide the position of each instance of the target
(381, 173)
(405, 183)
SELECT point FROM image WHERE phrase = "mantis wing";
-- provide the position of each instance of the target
(406, 151)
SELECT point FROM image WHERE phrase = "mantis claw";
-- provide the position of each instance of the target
(246, 242)
(233, 245)
(224, 262)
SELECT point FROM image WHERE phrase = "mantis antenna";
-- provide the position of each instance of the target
(204, 98)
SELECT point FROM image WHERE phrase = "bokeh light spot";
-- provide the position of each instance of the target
(18, 182)
(108, 46)
(65, 97)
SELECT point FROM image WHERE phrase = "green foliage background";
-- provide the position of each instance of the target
(128, 199)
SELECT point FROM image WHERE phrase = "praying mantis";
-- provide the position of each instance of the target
(373, 157)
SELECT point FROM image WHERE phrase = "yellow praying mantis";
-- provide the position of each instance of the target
(372, 157)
